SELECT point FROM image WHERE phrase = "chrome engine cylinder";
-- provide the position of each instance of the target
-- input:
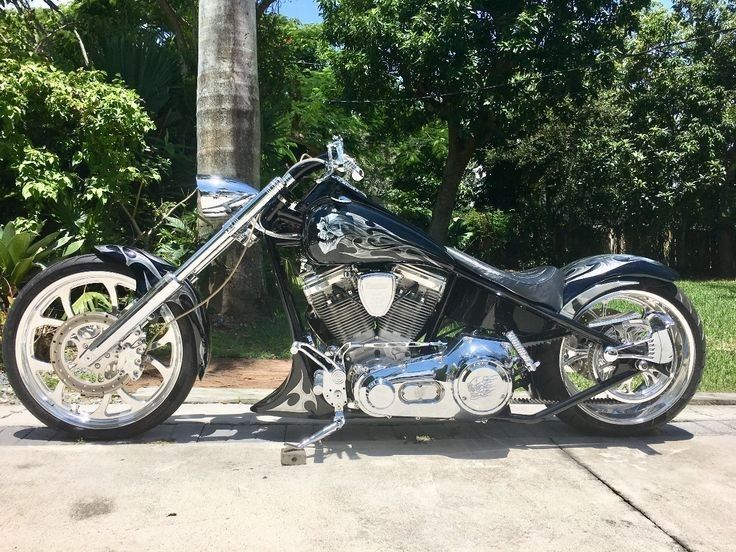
(472, 379)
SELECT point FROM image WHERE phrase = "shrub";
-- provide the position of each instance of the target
(72, 150)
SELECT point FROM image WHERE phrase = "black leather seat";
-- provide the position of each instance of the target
(543, 285)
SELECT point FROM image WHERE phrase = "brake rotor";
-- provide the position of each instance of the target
(69, 342)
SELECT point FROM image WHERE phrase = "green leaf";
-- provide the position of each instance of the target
(73, 248)
(18, 246)
(5, 258)
(8, 232)
(42, 243)
(20, 272)
(91, 301)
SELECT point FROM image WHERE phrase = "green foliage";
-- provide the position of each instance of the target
(476, 67)
(144, 66)
(485, 233)
(297, 85)
(648, 162)
(22, 251)
(73, 149)
(92, 301)
(178, 237)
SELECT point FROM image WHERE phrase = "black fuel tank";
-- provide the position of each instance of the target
(344, 230)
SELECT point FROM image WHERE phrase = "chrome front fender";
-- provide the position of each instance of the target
(147, 270)
(592, 276)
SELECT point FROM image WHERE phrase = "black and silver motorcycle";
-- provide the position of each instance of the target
(394, 324)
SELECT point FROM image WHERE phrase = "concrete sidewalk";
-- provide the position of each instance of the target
(210, 479)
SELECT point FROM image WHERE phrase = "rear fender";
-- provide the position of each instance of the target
(592, 276)
(147, 270)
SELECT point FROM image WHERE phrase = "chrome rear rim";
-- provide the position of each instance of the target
(647, 395)
(75, 308)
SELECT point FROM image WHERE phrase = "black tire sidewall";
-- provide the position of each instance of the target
(550, 386)
(79, 265)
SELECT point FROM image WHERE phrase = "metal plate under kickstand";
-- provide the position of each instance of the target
(292, 456)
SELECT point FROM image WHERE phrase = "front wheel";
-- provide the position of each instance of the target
(649, 399)
(131, 389)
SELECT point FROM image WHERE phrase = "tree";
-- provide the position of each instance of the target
(647, 163)
(229, 126)
(683, 100)
(468, 64)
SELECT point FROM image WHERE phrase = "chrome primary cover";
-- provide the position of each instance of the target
(473, 378)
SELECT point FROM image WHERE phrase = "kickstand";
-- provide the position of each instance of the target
(295, 455)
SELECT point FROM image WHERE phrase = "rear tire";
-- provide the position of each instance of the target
(548, 380)
(42, 405)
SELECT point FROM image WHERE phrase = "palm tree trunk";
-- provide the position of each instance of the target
(229, 127)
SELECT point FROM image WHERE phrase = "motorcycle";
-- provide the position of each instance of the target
(108, 345)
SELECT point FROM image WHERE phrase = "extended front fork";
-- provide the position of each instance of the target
(238, 228)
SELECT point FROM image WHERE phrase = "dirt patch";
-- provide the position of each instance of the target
(221, 373)
(91, 507)
(245, 372)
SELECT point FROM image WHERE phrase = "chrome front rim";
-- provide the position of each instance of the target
(127, 385)
(647, 395)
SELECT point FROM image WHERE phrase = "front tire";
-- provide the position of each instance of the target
(63, 308)
(639, 406)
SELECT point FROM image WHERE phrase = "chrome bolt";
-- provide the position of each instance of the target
(610, 354)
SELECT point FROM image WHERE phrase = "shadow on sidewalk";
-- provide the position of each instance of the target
(372, 438)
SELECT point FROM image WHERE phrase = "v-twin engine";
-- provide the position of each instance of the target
(474, 378)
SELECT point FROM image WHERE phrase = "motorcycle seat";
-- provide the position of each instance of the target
(543, 285)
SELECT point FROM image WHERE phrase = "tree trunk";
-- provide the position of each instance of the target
(229, 127)
(725, 224)
(460, 151)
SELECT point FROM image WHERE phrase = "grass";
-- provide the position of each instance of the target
(270, 339)
(715, 301)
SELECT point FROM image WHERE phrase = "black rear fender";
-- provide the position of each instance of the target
(593, 276)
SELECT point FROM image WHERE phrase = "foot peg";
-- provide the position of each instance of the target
(295, 455)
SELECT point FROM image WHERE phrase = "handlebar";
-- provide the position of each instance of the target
(334, 159)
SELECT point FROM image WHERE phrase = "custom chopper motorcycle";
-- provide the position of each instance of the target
(390, 323)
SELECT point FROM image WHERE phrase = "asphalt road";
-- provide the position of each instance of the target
(210, 479)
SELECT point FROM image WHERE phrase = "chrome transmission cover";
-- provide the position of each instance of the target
(473, 378)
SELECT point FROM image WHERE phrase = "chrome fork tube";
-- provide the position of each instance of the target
(167, 287)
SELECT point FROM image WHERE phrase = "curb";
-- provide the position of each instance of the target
(714, 399)
(200, 395)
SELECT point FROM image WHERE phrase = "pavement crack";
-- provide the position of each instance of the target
(10, 414)
(622, 496)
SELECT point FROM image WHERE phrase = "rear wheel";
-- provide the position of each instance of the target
(131, 389)
(649, 399)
